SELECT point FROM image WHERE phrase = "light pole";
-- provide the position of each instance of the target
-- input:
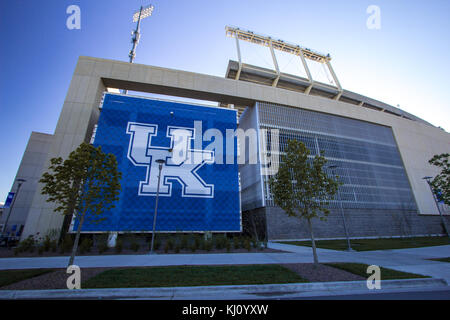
(437, 204)
(333, 171)
(143, 13)
(20, 181)
(160, 163)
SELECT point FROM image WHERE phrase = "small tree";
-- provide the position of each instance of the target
(85, 184)
(441, 182)
(301, 188)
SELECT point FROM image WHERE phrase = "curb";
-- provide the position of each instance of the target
(220, 292)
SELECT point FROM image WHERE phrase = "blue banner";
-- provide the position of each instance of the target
(9, 200)
(199, 182)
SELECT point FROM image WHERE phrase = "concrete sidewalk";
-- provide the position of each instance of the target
(408, 260)
(413, 260)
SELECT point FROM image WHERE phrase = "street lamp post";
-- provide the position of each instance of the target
(349, 248)
(437, 204)
(20, 181)
(160, 163)
(143, 13)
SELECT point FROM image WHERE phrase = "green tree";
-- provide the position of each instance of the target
(442, 181)
(301, 187)
(85, 184)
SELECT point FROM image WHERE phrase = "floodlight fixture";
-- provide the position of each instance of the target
(143, 13)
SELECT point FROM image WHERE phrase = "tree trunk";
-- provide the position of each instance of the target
(77, 239)
(316, 260)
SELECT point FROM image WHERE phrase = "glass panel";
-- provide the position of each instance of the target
(366, 154)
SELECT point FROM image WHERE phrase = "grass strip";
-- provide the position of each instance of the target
(376, 244)
(179, 276)
(386, 274)
(12, 276)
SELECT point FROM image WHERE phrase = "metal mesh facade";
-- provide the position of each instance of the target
(368, 160)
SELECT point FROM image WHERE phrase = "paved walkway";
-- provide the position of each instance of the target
(408, 260)
(414, 260)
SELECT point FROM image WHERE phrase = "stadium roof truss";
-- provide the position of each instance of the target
(272, 44)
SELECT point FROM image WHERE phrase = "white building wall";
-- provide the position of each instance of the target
(417, 142)
(30, 169)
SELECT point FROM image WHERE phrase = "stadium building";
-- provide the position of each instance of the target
(379, 151)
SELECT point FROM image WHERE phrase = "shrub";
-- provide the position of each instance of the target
(50, 241)
(184, 242)
(86, 245)
(102, 243)
(247, 244)
(27, 245)
(255, 243)
(194, 244)
(46, 244)
(119, 245)
(168, 245)
(236, 243)
(156, 243)
(102, 247)
(66, 244)
(53, 245)
(228, 245)
(208, 245)
(134, 245)
(197, 241)
(220, 242)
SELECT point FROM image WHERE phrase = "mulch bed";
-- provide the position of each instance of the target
(321, 272)
(52, 280)
(9, 252)
(57, 279)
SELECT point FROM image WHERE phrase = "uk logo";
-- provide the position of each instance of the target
(181, 162)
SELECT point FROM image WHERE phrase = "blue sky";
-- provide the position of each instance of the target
(403, 63)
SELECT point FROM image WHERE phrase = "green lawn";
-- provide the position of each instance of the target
(442, 259)
(11, 276)
(179, 276)
(386, 274)
(376, 244)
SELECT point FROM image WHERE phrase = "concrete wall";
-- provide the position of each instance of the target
(30, 169)
(417, 142)
(78, 116)
(252, 195)
(360, 223)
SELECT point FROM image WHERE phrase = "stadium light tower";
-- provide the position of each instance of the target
(142, 13)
